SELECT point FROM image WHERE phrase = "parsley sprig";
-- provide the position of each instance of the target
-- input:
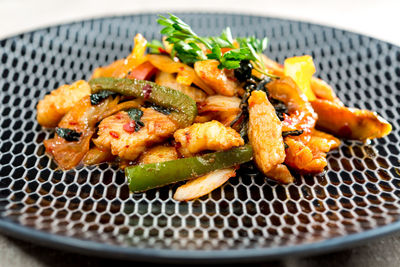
(187, 45)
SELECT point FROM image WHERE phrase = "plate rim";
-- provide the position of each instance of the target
(105, 250)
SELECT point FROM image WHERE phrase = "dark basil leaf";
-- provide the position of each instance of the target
(68, 134)
(95, 99)
(293, 133)
(136, 114)
(286, 145)
(243, 73)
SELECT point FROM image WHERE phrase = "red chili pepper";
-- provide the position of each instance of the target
(147, 91)
(114, 134)
(162, 51)
(188, 137)
(129, 127)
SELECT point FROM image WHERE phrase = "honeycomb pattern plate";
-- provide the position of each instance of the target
(90, 210)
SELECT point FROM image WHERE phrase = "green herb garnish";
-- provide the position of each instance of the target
(156, 47)
(186, 46)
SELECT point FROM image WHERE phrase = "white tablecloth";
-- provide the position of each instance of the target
(377, 18)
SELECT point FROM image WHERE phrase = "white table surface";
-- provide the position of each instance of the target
(376, 18)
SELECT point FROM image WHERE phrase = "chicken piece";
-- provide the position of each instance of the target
(350, 123)
(127, 144)
(203, 118)
(153, 155)
(217, 79)
(222, 108)
(301, 114)
(304, 159)
(169, 80)
(309, 155)
(211, 135)
(281, 174)
(323, 90)
(203, 185)
(323, 141)
(158, 154)
(96, 156)
(265, 132)
(54, 106)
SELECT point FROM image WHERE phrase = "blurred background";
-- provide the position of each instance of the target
(376, 18)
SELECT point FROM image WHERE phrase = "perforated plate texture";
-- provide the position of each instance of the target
(359, 191)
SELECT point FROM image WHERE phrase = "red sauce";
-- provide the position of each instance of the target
(201, 105)
(177, 146)
(188, 137)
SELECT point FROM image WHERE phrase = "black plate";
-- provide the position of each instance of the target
(89, 210)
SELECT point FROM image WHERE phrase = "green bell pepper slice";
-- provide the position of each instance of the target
(147, 176)
(183, 108)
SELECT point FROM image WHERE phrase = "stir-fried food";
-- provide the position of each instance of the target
(211, 135)
(54, 106)
(127, 139)
(194, 108)
(265, 132)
